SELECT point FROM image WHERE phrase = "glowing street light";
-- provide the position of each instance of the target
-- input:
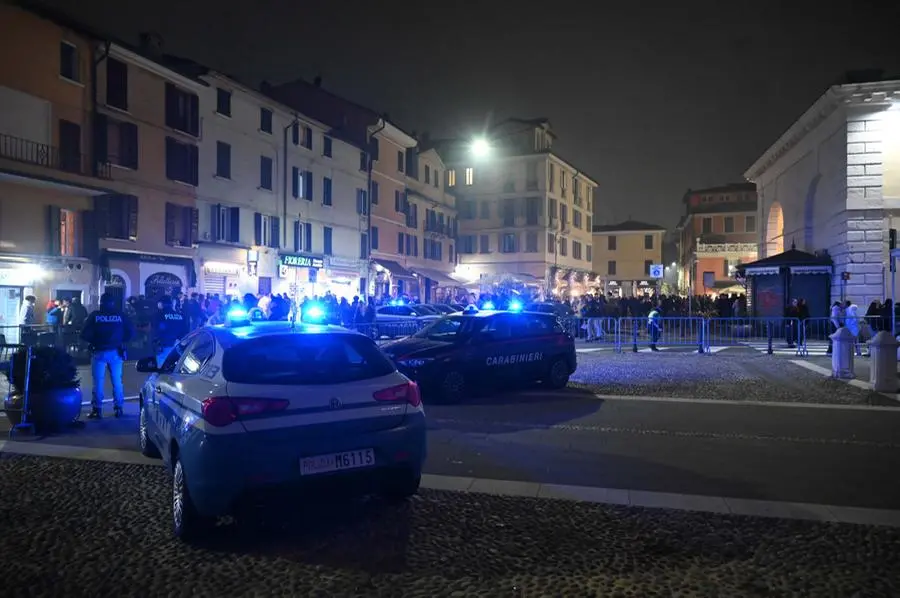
(480, 148)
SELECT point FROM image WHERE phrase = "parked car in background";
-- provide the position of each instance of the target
(393, 321)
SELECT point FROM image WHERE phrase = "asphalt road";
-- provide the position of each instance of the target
(840, 455)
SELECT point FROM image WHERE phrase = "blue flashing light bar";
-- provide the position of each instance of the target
(313, 313)
(515, 305)
(488, 305)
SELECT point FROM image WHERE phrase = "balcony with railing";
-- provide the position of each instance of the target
(47, 156)
(438, 229)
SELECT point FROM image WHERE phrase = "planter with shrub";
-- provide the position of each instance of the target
(54, 389)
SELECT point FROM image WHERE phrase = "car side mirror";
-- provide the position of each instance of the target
(147, 365)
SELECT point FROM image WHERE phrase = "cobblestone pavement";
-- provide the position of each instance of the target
(83, 528)
(743, 377)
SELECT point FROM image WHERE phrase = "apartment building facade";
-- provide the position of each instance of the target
(525, 214)
(623, 256)
(718, 232)
(49, 177)
(278, 199)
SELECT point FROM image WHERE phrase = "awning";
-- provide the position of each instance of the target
(133, 256)
(442, 279)
(394, 268)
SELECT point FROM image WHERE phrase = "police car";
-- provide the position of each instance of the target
(251, 406)
(477, 347)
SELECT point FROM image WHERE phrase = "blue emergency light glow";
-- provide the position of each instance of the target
(488, 305)
(237, 313)
(313, 313)
(515, 306)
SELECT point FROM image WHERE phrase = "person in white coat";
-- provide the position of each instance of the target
(835, 321)
(851, 321)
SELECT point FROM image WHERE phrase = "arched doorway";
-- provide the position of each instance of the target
(162, 283)
(116, 288)
(775, 230)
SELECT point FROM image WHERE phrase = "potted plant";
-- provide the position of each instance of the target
(54, 389)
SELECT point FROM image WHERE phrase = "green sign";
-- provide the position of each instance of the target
(300, 260)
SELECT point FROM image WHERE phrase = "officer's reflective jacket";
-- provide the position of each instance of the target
(107, 330)
(169, 326)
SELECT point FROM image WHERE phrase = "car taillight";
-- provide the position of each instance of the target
(221, 411)
(408, 392)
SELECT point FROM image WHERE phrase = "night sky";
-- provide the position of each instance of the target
(649, 99)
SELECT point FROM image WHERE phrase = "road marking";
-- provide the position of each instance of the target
(668, 433)
(131, 398)
(589, 494)
(794, 405)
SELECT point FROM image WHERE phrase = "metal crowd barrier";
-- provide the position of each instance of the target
(7, 355)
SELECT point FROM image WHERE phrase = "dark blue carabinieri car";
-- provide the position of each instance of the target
(460, 351)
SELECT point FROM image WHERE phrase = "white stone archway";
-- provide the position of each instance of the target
(775, 230)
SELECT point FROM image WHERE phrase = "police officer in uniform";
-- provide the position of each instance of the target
(106, 331)
(169, 326)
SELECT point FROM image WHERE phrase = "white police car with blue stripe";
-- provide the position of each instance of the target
(251, 406)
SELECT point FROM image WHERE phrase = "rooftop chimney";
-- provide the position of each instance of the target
(151, 44)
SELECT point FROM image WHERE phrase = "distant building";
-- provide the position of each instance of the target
(717, 233)
(831, 183)
(525, 213)
(624, 254)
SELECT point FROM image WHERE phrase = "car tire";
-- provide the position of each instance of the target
(453, 387)
(148, 449)
(187, 523)
(401, 484)
(558, 374)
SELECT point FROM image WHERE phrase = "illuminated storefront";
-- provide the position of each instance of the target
(298, 275)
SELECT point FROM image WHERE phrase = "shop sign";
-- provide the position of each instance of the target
(15, 277)
(222, 268)
(300, 260)
(343, 263)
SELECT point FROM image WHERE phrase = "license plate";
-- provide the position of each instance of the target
(337, 462)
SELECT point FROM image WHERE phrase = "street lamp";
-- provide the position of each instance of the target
(480, 148)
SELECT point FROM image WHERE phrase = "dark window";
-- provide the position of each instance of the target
(375, 192)
(265, 120)
(401, 160)
(647, 264)
(274, 232)
(363, 246)
(648, 241)
(729, 224)
(398, 202)
(265, 172)
(307, 138)
(121, 143)
(427, 173)
(295, 133)
(531, 242)
(304, 359)
(68, 62)
(223, 102)
(400, 243)
(374, 148)
(307, 185)
(707, 226)
(363, 162)
(374, 237)
(485, 244)
(116, 216)
(326, 191)
(223, 160)
(307, 236)
(750, 224)
(362, 204)
(611, 267)
(327, 232)
(326, 146)
(532, 211)
(298, 232)
(611, 243)
(295, 181)
(181, 225)
(181, 161)
(116, 84)
(69, 146)
(182, 110)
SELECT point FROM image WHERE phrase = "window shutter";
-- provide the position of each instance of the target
(53, 216)
(308, 183)
(195, 116)
(101, 216)
(307, 236)
(275, 240)
(171, 106)
(295, 133)
(171, 224)
(89, 238)
(235, 223)
(101, 146)
(257, 228)
(194, 153)
(296, 235)
(193, 215)
(131, 202)
(295, 181)
(128, 133)
(309, 137)
(214, 211)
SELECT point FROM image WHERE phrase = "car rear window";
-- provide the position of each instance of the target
(304, 359)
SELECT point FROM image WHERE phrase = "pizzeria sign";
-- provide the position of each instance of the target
(300, 260)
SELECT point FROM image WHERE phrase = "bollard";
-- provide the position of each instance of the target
(843, 343)
(769, 334)
(700, 337)
(634, 336)
(883, 362)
